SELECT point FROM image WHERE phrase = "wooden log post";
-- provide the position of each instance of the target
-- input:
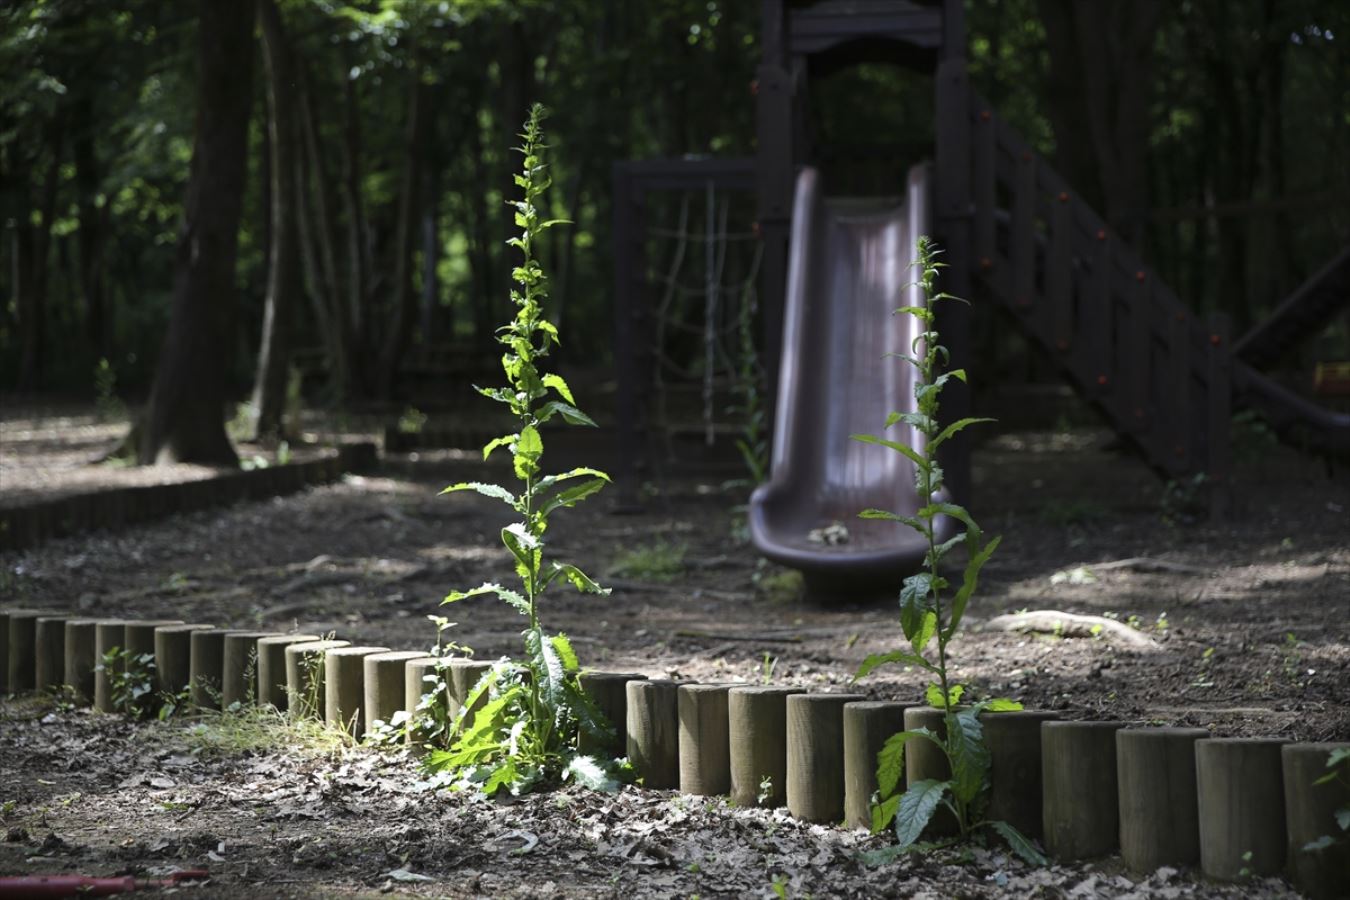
(926, 760)
(344, 688)
(272, 667)
(1240, 797)
(815, 755)
(108, 636)
(206, 667)
(239, 672)
(139, 635)
(609, 692)
(1317, 868)
(385, 692)
(757, 726)
(4, 644)
(463, 676)
(173, 657)
(304, 676)
(653, 732)
(81, 660)
(1014, 742)
(867, 727)
(705, 767)
(1078, 761)
(1155, 779)
(419, 677)
(49, 652)
(21, 672)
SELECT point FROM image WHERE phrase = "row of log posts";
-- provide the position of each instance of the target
(1236, 807)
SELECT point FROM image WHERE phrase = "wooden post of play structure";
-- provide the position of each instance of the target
(952, 220)
(775, 172)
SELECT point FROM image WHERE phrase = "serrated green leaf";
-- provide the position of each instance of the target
(577, 578)
(916, 594)
(968, 754)
(496, 492)
(587, 772)
(891, 759)
(563, 647)
(953, 429)
(884, 812)
(1020, 843)
(936, 699)
(1000, 705)
(907, 451)
(573, 495)
(902, 657)
(969, 581)
(503, 441)
(1320, 843)
(529, 446)
(916, 808)
(558, 384)
(1343, 818)
(510, 596)
(570, 414)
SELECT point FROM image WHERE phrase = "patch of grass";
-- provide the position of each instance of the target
(659, 561)
(252, 729)
(780, 586)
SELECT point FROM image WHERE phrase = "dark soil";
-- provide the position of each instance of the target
(1249, 619)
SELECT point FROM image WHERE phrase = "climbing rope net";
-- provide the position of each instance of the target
(705, 256)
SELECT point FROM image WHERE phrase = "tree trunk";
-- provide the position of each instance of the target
(317, 235)
(184, 421)
(404, 307)
(283, 276)
(358, 241)
(1101, 56)
(91, 234)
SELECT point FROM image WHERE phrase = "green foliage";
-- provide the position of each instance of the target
(110, 406)
(412, 421)
(520, 724)
(131, 681)
(1338, 772)
(753, 443)
(927, 619)
(659, 561)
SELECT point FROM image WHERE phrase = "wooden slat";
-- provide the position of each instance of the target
(1096, 339)
(984, 134)
(1177, 380)
(1218, 408)
(1138, 365)
(1059, 276)
(1022, 237)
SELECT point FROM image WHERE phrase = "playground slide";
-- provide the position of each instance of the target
(847, 273)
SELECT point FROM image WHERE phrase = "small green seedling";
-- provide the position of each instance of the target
(928, 619)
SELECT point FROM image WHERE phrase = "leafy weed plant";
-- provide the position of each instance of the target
(927, 619)
(534, 711)
(131, 681)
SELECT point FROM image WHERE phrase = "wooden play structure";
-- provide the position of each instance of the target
(1015, 234)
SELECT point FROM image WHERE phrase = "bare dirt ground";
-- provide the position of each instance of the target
(1249, 623)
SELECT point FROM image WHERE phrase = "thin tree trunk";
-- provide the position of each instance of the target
(283, 276)
(92, 231)
(33, 272)
(358, 243)
(185, 418)
(404, 311)
(315, 183)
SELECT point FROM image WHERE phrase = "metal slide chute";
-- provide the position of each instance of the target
(848, 271)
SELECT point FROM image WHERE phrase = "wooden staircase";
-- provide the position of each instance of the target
(1165, 379)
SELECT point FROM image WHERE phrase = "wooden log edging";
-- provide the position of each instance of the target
(1240, 804)
(1239, 807)
(757, 725)
(1156, 790)
(272, 667)
(1078, 763)
(26, 526)
(305, 676)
